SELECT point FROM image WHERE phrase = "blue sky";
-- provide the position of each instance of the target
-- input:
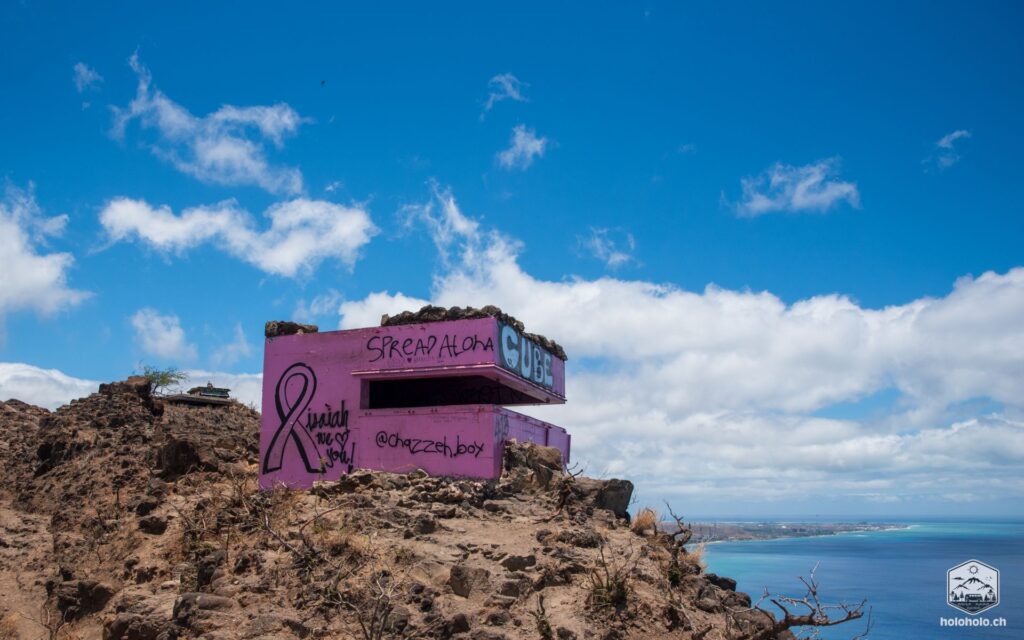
(830, 171)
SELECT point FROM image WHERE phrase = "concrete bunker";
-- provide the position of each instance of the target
(424, 390)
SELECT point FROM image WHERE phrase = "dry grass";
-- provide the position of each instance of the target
(646, 520)
(696, 556)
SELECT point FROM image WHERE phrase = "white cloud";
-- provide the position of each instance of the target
(224, 147)
(442, 218)
(524, 146)
(503, 87)
(945, 155)
(32, 280)
(47, 388)
(161, 335)
(85, 77)
(814, 187)
(727, 385)
(302, 232)
(601, 244)
(228, 354)
(368, 311)
(323, 305)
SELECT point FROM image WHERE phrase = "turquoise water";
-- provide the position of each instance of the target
(901, 572)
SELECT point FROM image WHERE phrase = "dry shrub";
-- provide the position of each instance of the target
(646, 520)
(610, 579)
(342, 542)
(371, 591)
(696, 556)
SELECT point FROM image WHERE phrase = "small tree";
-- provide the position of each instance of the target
(162, 379)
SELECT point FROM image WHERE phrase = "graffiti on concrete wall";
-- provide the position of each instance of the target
(523, 356)
(424, 445)
(321, 439)
(449, 345)
(500, 428)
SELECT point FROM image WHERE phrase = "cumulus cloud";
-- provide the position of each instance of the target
(225, 147)
(734, 387)
(32, 279)
(602, 245)
(85, 77)
(501, 87)
(524, 146)
(47, 388)
(301, 235)
(814, 187)
(161, 335)
(322, 305)
(228, 354)
(945, 155)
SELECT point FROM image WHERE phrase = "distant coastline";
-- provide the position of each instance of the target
(711, 532)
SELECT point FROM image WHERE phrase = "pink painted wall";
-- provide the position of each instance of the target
(317, 423)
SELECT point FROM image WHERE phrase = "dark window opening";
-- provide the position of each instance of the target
(436, 392)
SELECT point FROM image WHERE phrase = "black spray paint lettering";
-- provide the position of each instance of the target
(451, 345)
(327, 419)
(338, 449)
(523, 356)
(330, 428)
(421, 445)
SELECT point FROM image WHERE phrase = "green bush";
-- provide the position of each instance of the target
(162, 379)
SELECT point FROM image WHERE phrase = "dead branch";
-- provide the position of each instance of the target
(683, 532)
(809, 611)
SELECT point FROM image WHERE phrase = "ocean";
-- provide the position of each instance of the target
(901, 572)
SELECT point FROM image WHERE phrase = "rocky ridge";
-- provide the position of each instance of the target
(126, 519)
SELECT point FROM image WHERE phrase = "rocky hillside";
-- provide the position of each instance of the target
(126, 519)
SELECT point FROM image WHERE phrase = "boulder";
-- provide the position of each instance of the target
(464, 579)
(585, 537)
(424, 523)
(518, 563)
(153, 524)
(192, 602)
(77, 598)
(544, 462)
(458, 623)
(208, 565)
(613, 494)
(721, 581)
(180, 456)
(133, 626)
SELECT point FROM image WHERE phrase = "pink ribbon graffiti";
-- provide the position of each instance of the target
(290, 428)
